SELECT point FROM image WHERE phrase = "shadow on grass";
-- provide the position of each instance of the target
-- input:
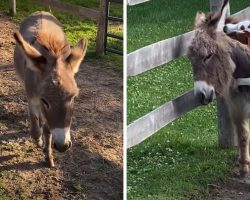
(25, 166)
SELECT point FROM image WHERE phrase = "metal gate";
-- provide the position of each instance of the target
(110, 35)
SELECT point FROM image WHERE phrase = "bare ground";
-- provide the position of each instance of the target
(92, 168)
(233, 188)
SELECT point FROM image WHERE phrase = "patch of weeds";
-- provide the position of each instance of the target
(75, 28)
(4, 194)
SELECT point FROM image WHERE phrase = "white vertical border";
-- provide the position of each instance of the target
(125, 100)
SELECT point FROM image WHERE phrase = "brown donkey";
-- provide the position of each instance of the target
(46, 65)
(221, 66)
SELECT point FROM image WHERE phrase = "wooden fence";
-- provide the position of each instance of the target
(157, 54)
(95, 14)
(135, 2)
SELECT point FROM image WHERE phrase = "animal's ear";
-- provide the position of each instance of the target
(218, 20)
(32, 54)
(77, 55)
(199, 19)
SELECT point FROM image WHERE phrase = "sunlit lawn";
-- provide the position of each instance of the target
(180, 160)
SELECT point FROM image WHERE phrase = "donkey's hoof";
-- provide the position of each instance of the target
(50, 163)
(39, 142)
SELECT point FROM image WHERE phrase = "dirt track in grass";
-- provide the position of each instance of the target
(92, 168)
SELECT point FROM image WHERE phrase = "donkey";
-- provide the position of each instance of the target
(45, 65)
(221, 67)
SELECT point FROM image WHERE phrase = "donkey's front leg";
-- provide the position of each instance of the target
(243, 142)
(36, 127)
(48, 149)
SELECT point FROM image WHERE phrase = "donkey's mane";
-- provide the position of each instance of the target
(54, 45)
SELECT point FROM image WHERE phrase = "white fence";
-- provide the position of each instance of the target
(150, 57)
(135, 2)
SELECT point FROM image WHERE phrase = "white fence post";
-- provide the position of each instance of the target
(227, 136)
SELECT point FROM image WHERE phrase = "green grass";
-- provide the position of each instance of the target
(180, 160)
(74, 27)
(116, 9)
(160, 19)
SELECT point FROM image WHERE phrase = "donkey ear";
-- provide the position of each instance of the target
(199, 19)
(77, 55)
(32, 54)
(220, 18)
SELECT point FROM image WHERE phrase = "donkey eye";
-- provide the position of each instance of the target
(206, 59)
(45, 103)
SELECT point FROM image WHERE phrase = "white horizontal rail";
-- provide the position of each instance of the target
(152, 56)
(157, 54)
(135, 2)
(147, 125)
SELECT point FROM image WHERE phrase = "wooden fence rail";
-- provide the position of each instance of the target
(147, 125)
(157, 54)
(135, 2)
(150, 57)
(164, 51)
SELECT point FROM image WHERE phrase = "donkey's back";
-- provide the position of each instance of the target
(38, 22)
(41, 25)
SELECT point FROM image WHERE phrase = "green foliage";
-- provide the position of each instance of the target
(160, 19)
(115, 9)
(180, 160)
(75, 27)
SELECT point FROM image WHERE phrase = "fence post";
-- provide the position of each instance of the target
(12, 7)
(227, 136)
(101, 28)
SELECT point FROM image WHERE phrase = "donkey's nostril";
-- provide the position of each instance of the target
(70, 144)
(64, 147)
(211, 97)
(206, 99)
(202, 97)
(225, 29)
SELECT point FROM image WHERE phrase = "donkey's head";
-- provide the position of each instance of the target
(209, 53)
(57, 87)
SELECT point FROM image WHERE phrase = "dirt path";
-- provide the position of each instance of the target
(232, 189)
(92, 168)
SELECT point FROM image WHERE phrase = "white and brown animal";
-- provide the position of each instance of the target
(221, 66)
(46, 65)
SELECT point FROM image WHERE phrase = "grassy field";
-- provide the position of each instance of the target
(115, 8)
(182, 159)
(74, 27)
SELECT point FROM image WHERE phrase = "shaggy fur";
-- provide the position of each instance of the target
(214, 58)
(46, 66)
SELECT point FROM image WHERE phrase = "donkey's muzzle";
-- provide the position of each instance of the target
(63, 148)
(205, 98)
(204, 92)
(61, 139)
